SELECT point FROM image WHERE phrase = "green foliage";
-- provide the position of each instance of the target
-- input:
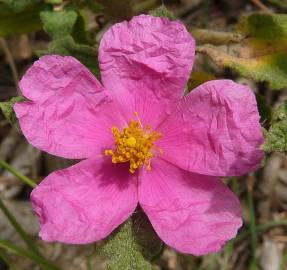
(54, 2)
(276, 138)
(262, 54)
(264, 26)
(7, 109)
(11, 248)
(162, 11)
(21, 19)
(60, 25)
(19, 5)
(264, 110)
(280, 3)
(24, 236)
(16, 173)
(33, 252)
(7, 260)
(80, 32)
(132, 245)
(87, 55)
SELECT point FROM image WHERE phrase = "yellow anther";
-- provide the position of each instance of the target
(131, 142)
(134, 144)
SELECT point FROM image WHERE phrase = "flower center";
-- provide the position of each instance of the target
(134, 144)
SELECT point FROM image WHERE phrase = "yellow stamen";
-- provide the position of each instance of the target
(131, 141)
(134, 144)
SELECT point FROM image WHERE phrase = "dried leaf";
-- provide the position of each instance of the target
(261, 55)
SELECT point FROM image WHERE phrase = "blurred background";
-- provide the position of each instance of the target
(25, 34)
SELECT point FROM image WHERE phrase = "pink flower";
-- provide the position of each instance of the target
(141, 141)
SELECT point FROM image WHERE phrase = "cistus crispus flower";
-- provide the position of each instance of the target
(141, 140)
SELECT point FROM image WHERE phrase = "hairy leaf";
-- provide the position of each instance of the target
(162, 11)
(59, 24)
(80, 32)
(87, 55)
(263, 26)
(276, 138)
(269, 68)
(132, 245)
(261, 55)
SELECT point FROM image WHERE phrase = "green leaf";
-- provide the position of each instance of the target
(7, 109)
(148, 241)
(59, 24)
(132, 245)
(276, 138)
(162, 11)
(15, 23)
(267, 68)
(261, 55)
(263, 26)
(80, 33)
(87, 55)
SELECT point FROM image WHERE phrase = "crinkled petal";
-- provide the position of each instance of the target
(148, 55)
(215, 132)
(192, 213)
(69, 113)
(85, 202)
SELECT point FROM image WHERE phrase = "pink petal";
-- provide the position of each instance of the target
(192, 213)
(85, 202)
(216, 131)
(70, 114)
(147, 56)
